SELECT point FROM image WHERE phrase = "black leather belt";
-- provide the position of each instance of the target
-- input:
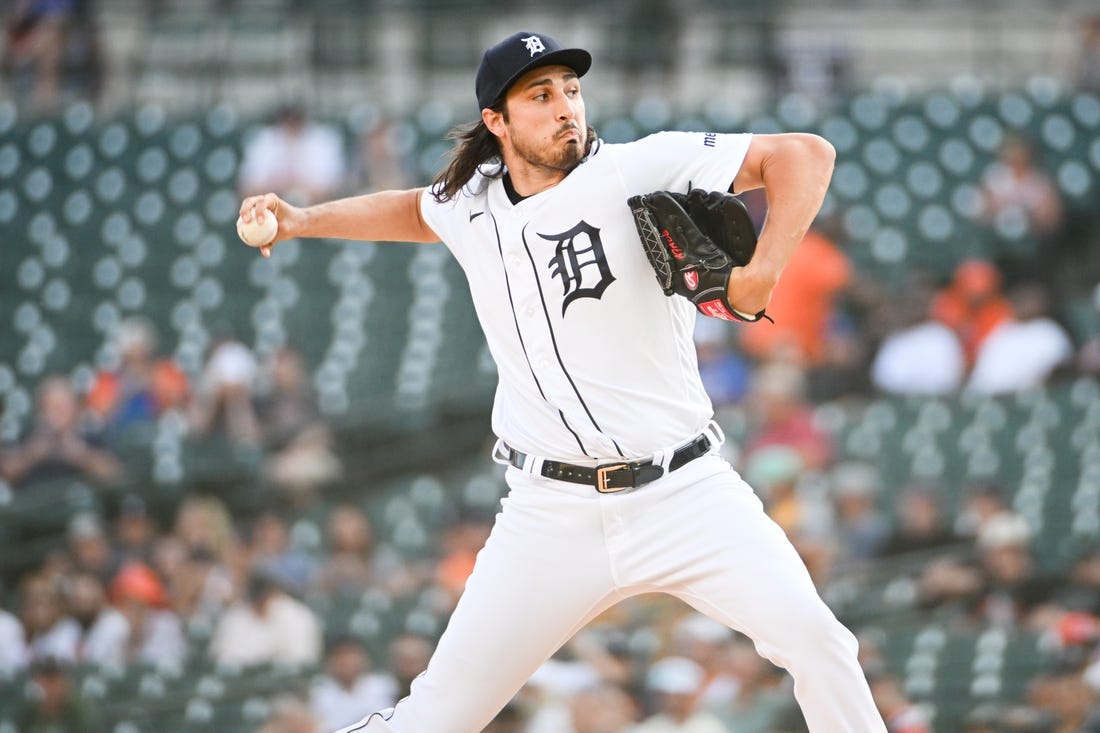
(612, 477)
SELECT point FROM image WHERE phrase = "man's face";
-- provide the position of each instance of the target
(543, 122)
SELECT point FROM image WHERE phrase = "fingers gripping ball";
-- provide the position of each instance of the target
(258, 233)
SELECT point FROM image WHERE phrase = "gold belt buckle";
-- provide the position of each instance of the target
(602, 477)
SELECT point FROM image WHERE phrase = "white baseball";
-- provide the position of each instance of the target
(258, 233)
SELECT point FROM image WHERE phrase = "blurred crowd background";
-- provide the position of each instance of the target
(240, 494)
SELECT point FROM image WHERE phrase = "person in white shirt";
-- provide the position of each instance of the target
(1024, 351)
(50, 632)
(920, 355)
(270, 626)
(305, 159)
(612, 455)
(155, 633)
(105, 631)
(348, 690)
(13, 644)
(675, 682)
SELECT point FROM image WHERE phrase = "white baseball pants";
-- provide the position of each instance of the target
(560, 554)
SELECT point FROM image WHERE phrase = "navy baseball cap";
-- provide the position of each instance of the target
(517, 54)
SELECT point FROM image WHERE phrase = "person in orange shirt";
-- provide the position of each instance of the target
(972, 304)
(802, 303)
(142, 387)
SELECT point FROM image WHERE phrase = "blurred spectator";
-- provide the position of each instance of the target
(50, 633)
(135, 531)
(776, 472)
(585, 662)
(58, 445)
(810, 65)
(105, 632)
(979, 502)
(920, 524)
(386, 157)
(462, 539)
(899, 713)
(270, 548)
(724, 372)
(143, 386)
(708, 643)
(919, 354)
(861, 529)
(222, 405)
(348, 690)
(673, 682)
(295, 437)
(763, 697)
(198, 586)
(605, 708)
(269, 626)
(291, 714)
(1023, 206)
(408, 656)
(352, 560)
(203, 523)
(1012, 586)
(1013, 184)
(803, 304)
(972, 304)
(156, 634)
(1080, 593)
(1064, 694)
(90, 549)
(54, 705)
(202, 561)
(781, 415)
(13, 645)
(1023, 351)
(50, 52)
(302, 160)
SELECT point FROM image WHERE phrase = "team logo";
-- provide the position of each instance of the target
(580, 263)
(691, 279)
(534, 44)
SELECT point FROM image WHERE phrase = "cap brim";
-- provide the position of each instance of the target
(576, 59)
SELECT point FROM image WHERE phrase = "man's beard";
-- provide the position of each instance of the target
(563, 159)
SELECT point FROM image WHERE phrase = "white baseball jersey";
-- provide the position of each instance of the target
(594, 361)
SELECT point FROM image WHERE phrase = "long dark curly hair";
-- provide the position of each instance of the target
(474, 146)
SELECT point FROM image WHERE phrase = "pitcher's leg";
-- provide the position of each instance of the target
(735, 565)
(541, 576)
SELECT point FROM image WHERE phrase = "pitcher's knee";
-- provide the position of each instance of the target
(812, 629)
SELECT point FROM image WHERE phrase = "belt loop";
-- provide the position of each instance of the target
(532, 465)
(500, 453)
(714, 434)
(662, 458)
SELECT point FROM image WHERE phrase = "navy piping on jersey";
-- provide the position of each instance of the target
(519, 335)
(362, 724)
(554, 341)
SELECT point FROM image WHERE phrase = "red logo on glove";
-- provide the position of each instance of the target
(676, 251)
(691, 279)
(716, 309)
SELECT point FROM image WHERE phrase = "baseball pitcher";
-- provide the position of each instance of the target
(588, 263)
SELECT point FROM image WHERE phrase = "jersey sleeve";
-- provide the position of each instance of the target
(439, 216)
(673, 161)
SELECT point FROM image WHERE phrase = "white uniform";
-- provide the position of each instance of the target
(596, 365)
